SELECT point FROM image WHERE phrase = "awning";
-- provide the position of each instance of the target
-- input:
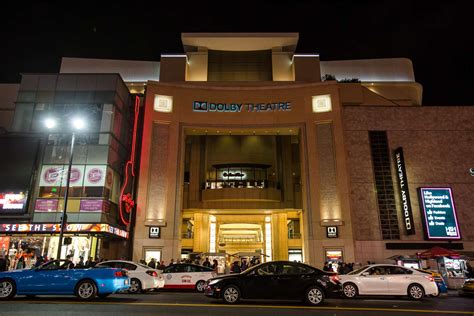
(436, 252)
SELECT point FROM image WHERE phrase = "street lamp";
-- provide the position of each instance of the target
(77, 123)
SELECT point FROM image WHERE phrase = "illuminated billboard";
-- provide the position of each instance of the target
(439, 213)
(12, 202)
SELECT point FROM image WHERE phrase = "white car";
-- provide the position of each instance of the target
(142, 277)
(187, 276)
(387, 279)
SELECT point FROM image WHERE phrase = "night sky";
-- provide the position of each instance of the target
(438, 36)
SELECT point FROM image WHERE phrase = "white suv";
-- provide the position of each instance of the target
(142, 277)
(387, 279)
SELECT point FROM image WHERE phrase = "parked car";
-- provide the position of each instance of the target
(385, 279)
(442, 287)
(142, 277)
(468, 288)
(276, 280)
(187, 276)
(54, 278)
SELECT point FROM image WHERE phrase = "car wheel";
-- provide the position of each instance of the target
(86, 290)
(201, 286)
(314, 295)
(103, 295)
(7, 289)
(416, 292)
(350, 290)
(135, 286)
(231, 294)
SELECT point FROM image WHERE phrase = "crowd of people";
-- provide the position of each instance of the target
(339, 267)
(6, 264)
(235, 267)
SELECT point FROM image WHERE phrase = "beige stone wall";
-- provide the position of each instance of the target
(438, 145)
(301, 117)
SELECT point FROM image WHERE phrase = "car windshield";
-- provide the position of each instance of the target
(358, 270)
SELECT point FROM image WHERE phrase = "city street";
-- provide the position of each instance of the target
(190, 303)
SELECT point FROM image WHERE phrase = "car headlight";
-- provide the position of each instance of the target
(212, 282)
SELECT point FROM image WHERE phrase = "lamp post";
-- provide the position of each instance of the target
(77, 124)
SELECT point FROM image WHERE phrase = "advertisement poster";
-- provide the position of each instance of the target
(439, 213)
(95, 175)
(94, 206)
(12, 202)
(46, 205)
(56, 175)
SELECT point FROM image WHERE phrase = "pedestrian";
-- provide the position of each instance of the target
(235, 267)
(21, 263)
(326, 266)
(162, 265)
(3, 264)
(80, 264)
(215, 265)
(206, 263)
(244, 265)
(68, 264)
(89, 263)
(152, 263)
(171, 262)
(39, 261)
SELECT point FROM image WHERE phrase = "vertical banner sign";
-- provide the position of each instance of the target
(439, 213)
(403, 191)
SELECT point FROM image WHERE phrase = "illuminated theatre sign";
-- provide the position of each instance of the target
(439, 213)
(204, 106)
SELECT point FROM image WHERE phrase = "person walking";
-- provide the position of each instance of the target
(206, 263)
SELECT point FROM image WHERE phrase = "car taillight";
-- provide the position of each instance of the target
(119, 274)
(152, 273)
(430, 277)
(335, 278)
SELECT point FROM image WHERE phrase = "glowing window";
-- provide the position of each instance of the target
(163, 103)
(322, 103)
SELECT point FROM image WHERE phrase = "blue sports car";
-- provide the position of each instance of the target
(55, 277)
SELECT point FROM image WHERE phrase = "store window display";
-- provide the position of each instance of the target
(23, 252)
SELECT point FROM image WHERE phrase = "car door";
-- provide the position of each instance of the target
(291, 279)
(52, 278)
(261, 283)
(173, 275)
(398, 280)
(373, 281)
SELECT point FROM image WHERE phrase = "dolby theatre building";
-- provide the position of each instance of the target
(246, 151)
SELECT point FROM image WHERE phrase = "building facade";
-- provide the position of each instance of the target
(247, 152)
(32, 208)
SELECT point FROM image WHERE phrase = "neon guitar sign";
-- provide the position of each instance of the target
(127, 203)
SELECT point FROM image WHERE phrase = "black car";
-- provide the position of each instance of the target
(276, 280)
